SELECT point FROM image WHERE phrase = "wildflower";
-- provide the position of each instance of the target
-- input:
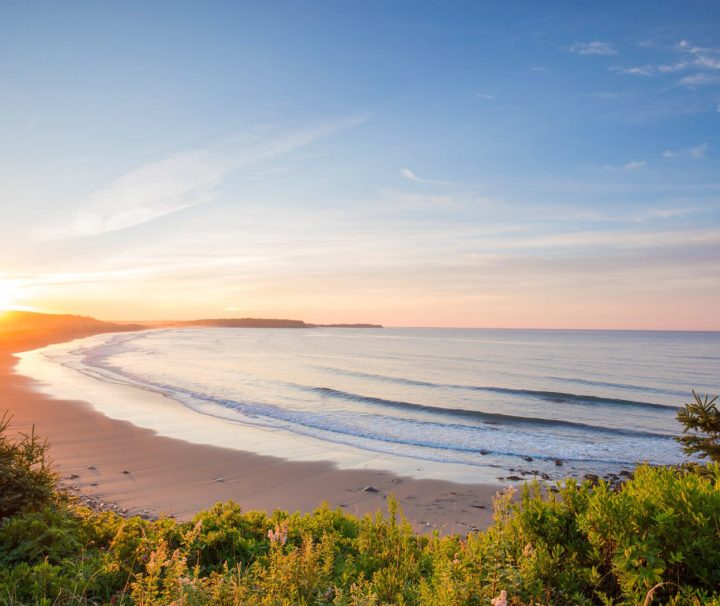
(280, 534)
(501, 600)
(329, 594)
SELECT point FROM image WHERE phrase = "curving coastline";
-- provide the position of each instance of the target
(174, 477)
(432, 405)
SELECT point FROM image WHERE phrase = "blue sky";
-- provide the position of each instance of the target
(410, 163)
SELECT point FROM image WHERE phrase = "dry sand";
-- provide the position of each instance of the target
(168, 476)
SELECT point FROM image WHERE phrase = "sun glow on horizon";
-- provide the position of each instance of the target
(6, 296)
(10, 298)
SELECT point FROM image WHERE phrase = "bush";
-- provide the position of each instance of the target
(662, 527)
(653, 540)
(701, 431)
(26, 481)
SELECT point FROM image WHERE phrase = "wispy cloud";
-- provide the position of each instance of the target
(620, 239)
(652, 70)
(668, 213)
(595, 47)
(704, 60)
(645, 70)
(699, 151)
(419, 201)
(694, 80)
(668, 68)
(485, 96)
(411, 176)
(704, 55)
(413, 200)
(632, 165)
(184, 179)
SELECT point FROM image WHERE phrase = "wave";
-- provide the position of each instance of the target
(486, 417)
(96, 358)
(628, 386)
(331, 429)
(342, 429)
(552, 396)
(453, 434)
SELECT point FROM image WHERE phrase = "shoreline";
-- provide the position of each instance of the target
(92, 452)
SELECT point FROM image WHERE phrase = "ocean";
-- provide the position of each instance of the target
(470, 405)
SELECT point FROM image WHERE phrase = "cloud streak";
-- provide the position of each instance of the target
(411, 176)
(694, 80)
(184, 179)
(697, 152)
(632, 165)
(703, 60)
(596, 47)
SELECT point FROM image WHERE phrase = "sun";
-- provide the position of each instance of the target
(8, 294)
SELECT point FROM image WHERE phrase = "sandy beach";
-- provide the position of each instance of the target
(137, 470)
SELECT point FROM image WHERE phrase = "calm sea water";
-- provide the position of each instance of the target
(442, 398)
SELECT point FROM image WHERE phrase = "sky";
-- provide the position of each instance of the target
(478, 164)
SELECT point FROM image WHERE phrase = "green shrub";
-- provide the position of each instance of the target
(701, 427)
(656, 539)
(26, 482)
(662, 527)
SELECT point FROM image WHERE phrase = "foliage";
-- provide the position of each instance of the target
(655, 540)
(26, 482)
(701, 432)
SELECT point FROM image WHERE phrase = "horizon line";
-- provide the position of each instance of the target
(533, 328)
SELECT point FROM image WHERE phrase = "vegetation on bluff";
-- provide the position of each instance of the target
(655, 540)
(701, 431)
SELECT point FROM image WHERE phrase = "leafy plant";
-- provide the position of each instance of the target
(701, 432)
(653, 540)
(26, 481)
